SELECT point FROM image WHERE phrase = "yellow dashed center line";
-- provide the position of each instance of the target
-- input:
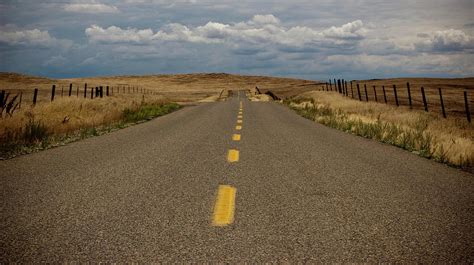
(224, 207)
(225, 203)
(233, 156)
(236, 137)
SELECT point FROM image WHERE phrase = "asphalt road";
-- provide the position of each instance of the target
(303, 193)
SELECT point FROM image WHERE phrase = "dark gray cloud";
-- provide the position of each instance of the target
(302, 38)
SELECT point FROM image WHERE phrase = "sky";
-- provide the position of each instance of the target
(310, 39)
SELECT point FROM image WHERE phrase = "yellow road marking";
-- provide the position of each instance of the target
(224, 207)
(238, 127)
(233, 155)
(240, 112)
(240, 117)
(239, 121)
(236, 137)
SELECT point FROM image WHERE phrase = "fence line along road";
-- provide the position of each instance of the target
(457, 106)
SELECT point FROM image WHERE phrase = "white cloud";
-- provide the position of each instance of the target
(446, 41)
(115, 34)
(352, 30)
(261, 30)
(34, 37)
(91, 8)
(265, 19)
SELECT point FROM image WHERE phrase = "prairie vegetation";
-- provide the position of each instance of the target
(69, 119)
(449, 140)
(427, 134)
(180, 88)
(452, 91)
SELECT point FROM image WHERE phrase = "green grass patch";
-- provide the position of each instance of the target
(148, 112)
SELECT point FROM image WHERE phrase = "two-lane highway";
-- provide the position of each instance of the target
(300, 191)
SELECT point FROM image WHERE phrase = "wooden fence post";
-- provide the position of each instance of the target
(466, 104)
(352, 91)
(35, 96)
(101, 91)
(85, 90)
(62, 91)
(366, 95)
(92, 92)
(53, 91)
(375, 94)
(107, 91)
(96, 91)
(2, 97)
(396, 96)
(358, 92)
(384, 94)
(335, 85)
(330, 84)
(409, 95)
(442, 103)
(70, 89)
(424, 98)
(77, 91)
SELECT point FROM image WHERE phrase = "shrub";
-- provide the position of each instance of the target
(34, 132)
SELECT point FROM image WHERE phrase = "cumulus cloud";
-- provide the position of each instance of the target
(446, 41)
(115, 34)
(91, 8)
(353, 30)
(261, 30)
(30, 37)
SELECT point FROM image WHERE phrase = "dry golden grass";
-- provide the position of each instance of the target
(452, 138)
(181, 88)
(66, 115)
(452, 90)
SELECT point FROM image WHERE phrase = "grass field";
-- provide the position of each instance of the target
(182, 88)
(69, 119)
(446, 140)
(452, 90)
(186, 88)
